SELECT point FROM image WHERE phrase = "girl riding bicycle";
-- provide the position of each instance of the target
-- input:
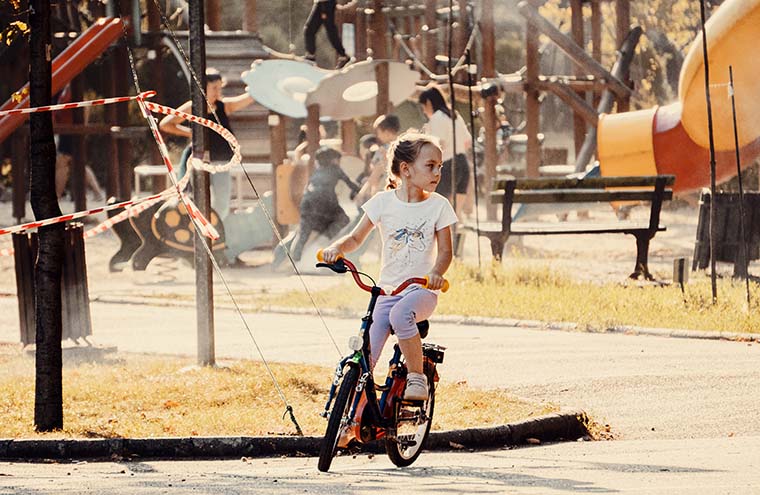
(415, 228)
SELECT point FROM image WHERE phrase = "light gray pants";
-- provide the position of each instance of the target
(401, 313)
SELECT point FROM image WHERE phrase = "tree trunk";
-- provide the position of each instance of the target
(48, 399)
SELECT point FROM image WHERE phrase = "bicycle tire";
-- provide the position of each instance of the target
(403, 457)
(340, 409)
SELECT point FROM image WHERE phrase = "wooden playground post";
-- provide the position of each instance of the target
(77, 183)
(278, 153)
(532, 104)
(121, 87)
(380, 52)
(312, 134)
(157, 82)
(576, 18)
(383, 86)
(360, 32)
(430, 35)
(348, 137)
(112, 175)
(461, 34)
(596, 37)
(379, 26)
(213, 17)
(20, 164)
(623, 23)
(250, 23)
(488, 70)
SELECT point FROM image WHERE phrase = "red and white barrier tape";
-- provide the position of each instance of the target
(136, 206)
(203, 225)
(80, 104)
(222, 131)
(142, 205)
(83, 213)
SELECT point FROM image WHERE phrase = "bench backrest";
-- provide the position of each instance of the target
(653, 188)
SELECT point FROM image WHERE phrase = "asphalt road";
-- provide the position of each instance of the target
(685, 412)
(659, 467)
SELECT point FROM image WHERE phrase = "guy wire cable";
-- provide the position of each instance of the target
(450, 31)
(474, 155)
(713, 212)
(152, 124)
(255, 191)
(742, 217)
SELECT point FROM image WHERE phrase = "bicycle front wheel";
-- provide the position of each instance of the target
(338, 418)
(412, 429)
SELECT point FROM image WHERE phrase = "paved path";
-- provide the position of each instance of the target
(645, 387)
(663, 467)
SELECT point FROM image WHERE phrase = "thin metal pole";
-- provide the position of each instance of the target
(453, 108)
(474, 155)
(713, 281)
(742, 218)
(204, 288)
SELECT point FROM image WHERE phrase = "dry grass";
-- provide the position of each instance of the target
(150, 396)
(527, 291)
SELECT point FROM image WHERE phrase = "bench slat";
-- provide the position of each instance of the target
(545, 228)
(587, 183)
(577, 196)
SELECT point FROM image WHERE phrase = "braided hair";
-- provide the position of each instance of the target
(406, 148)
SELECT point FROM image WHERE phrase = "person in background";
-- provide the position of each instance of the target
(440, 125)
(320, 210)
(219, 149)
(323, 13)
(65, 150)
(386, 128)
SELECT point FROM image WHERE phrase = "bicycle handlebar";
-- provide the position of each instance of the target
(342, 265)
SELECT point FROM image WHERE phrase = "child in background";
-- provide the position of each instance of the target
(320, 210)
(323, 12)
(415, 228)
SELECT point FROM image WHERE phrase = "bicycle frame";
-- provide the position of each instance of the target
(366, 386)
(365, 399)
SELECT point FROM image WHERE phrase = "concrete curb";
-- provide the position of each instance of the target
(472, 320)
(552, 427)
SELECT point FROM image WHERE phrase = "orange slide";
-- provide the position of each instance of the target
(73, 60)
(673, 139)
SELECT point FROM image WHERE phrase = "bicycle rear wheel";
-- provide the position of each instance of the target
(412, 429)
(338, 418)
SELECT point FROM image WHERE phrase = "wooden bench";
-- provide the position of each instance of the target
(653, 189)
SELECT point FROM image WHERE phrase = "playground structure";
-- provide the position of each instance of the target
(673, 139)
(409, 32)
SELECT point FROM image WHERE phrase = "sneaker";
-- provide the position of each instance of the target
(416, 387)
(343, 60)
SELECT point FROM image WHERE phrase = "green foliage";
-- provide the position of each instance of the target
(670, 27)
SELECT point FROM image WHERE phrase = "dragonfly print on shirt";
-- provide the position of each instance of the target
(407, 239)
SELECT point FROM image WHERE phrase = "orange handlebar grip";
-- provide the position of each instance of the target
(320, 257)
(444, 288)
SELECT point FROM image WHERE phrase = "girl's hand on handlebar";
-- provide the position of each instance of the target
(435, 281)
(329, 255)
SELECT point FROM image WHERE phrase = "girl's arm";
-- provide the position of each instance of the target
(443, 260)
(234, 103)
(171, 123)
(350, 242)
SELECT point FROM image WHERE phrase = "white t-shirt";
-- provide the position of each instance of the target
(439, 126)
(407, 231)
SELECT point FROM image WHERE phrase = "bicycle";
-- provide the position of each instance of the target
(358, 416)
